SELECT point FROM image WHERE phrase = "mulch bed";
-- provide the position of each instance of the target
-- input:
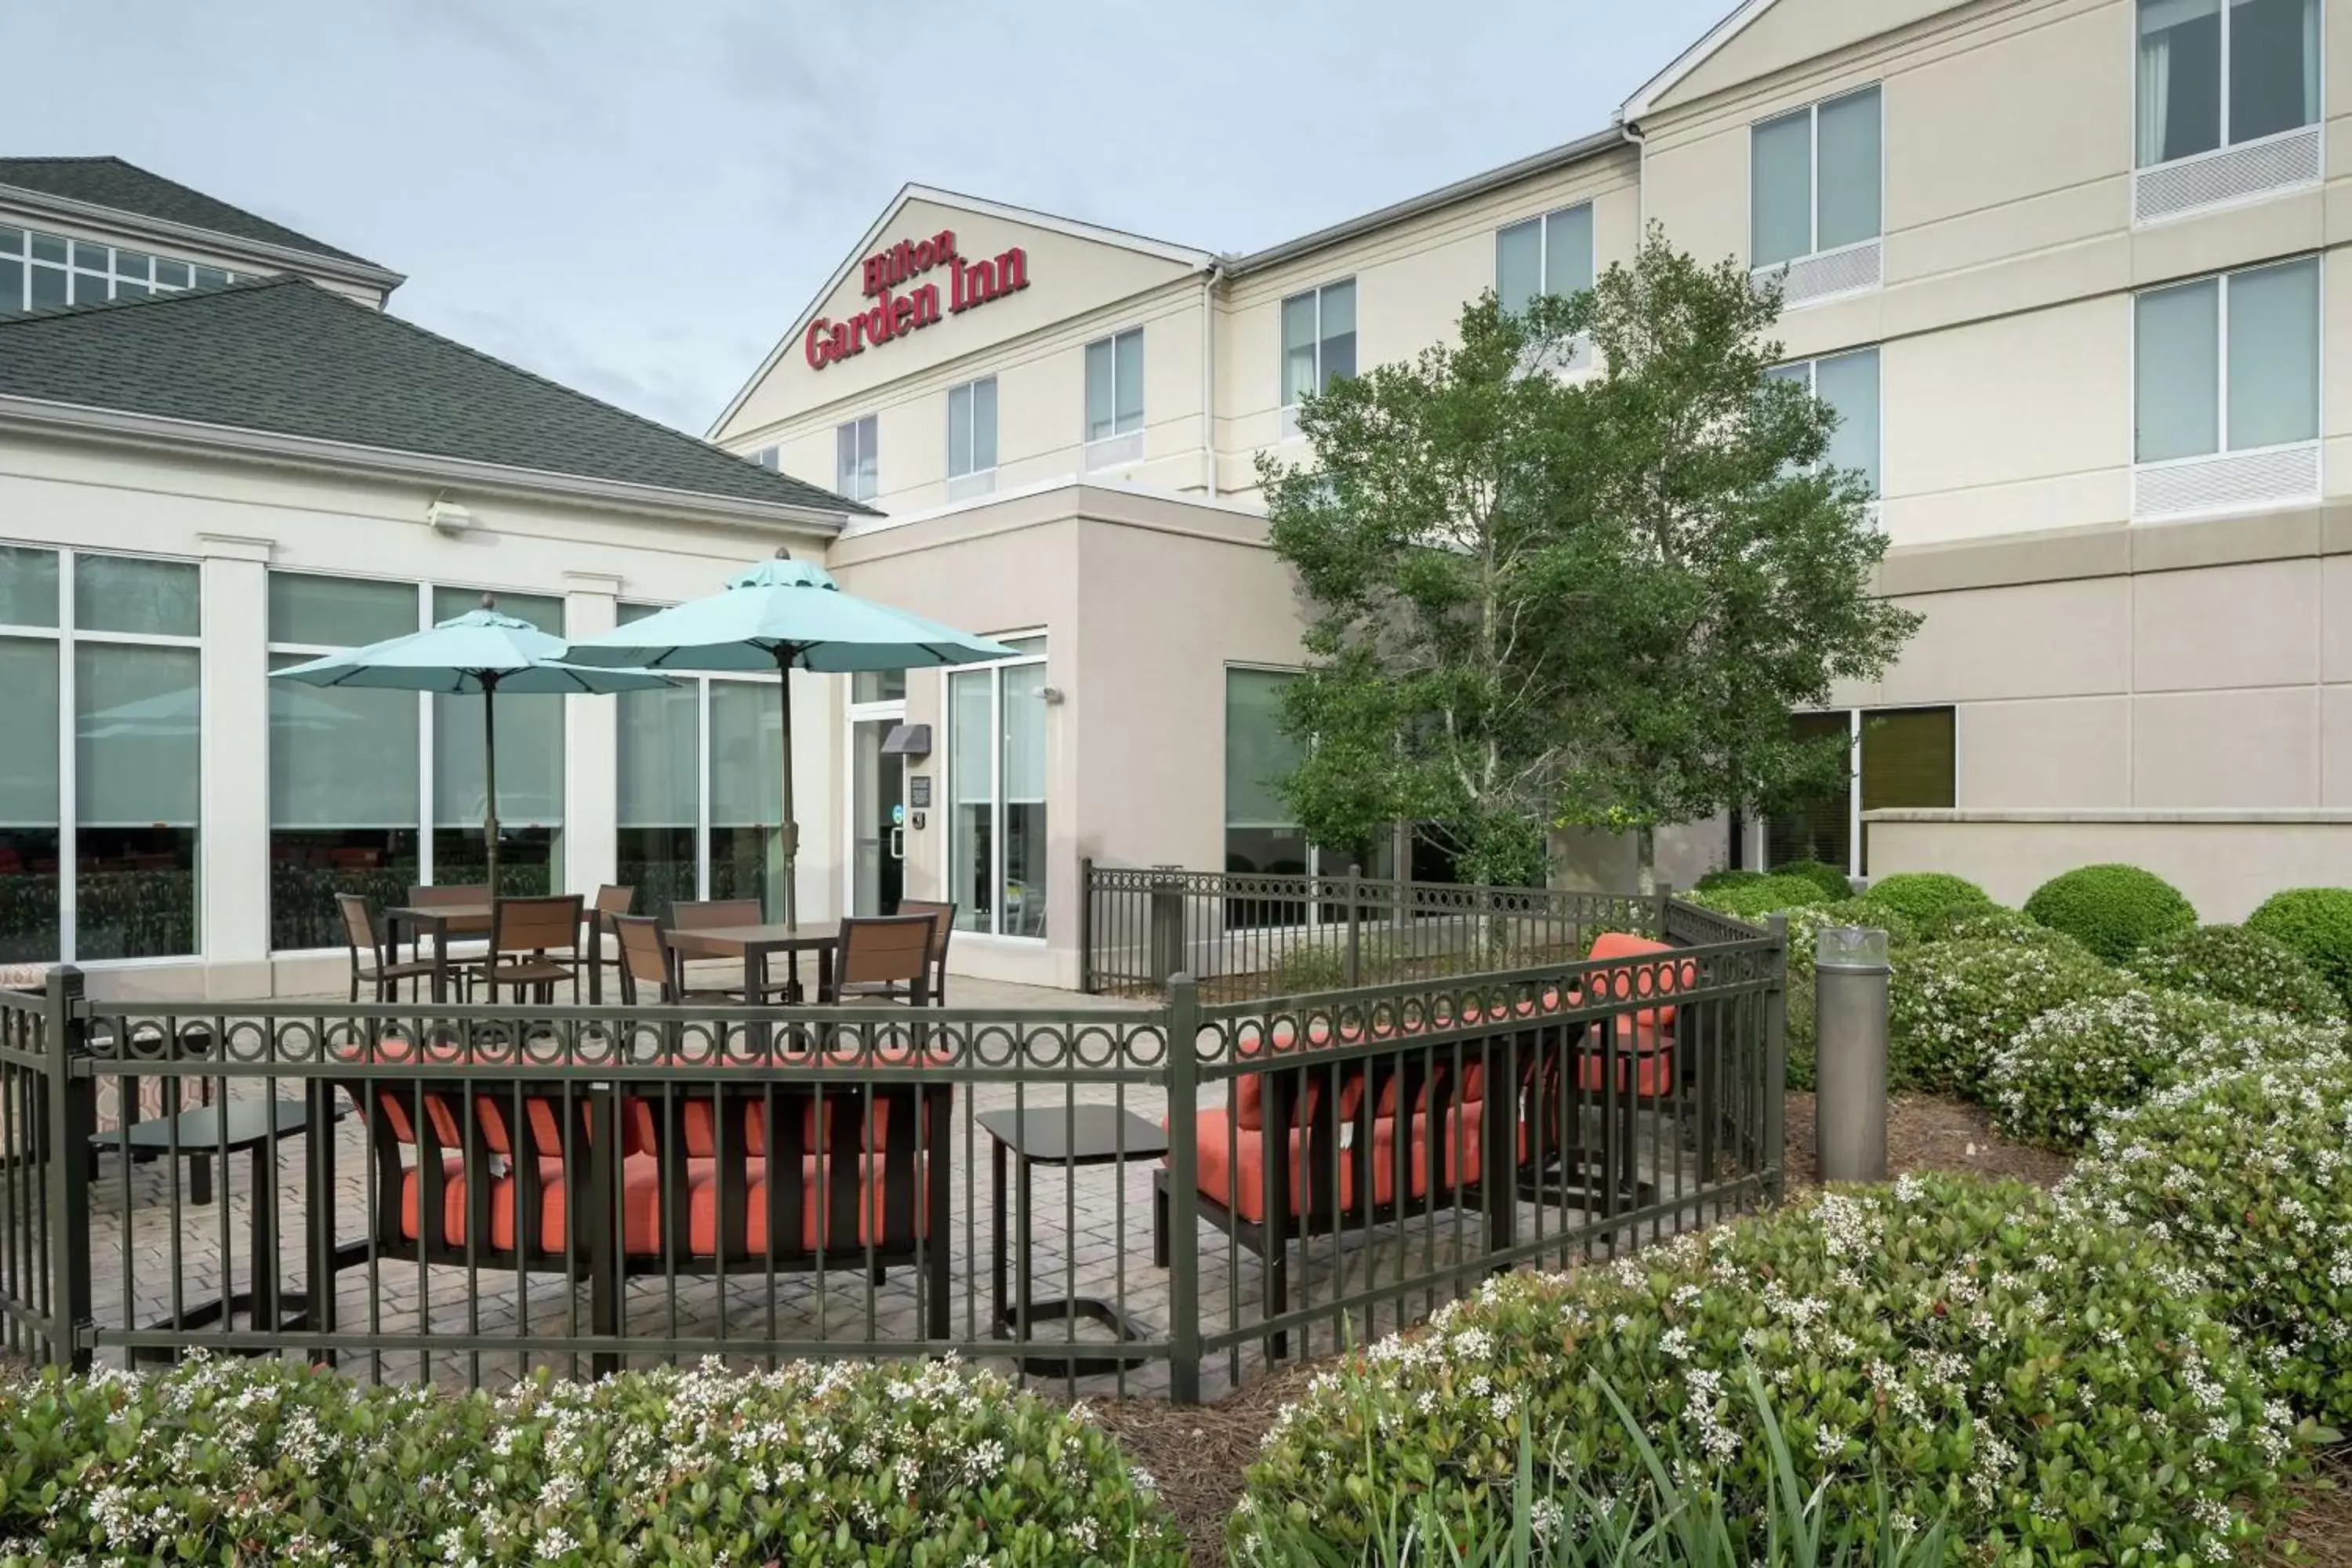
(1197, 1454)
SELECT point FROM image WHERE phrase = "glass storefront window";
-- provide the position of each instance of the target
(1261, 835)
(997, 846)
(136, 766)
(30, 828)
(747, 792)
(531, 769)
(660, 794)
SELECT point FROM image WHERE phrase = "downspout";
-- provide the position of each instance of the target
(1209, 276)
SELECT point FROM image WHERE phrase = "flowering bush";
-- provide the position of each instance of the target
(2233, 964)
(2248, 1174)
(1979, 923)
(2078, 1062)
(2055, 1386)
(1921, 895)
(1765, 895)
(1953, 1004)
(2114, 910)
(2317, 923)
(267, 1462)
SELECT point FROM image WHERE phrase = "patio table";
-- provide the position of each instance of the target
(444, 922)
(755, 944)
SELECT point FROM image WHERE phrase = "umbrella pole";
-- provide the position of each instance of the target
(792, 845)
(490, 779)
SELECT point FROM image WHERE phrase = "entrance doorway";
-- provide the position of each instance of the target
(877, 847)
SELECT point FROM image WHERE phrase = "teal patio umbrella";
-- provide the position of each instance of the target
(481, 651)
(783, 614)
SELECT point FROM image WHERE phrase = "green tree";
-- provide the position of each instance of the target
(1538, 602)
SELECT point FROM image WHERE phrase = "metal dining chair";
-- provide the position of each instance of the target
(602, 951)
(707, 913)
(647, 962)
(534, 944)
(942, 927)
(371, 952)
(883, 958)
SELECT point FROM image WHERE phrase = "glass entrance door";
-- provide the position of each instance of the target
(878, 830)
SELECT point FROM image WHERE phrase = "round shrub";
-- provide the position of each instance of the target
(2246, 1174)
(2077, 1064)
(1920, 895)
(1726, 877)
(1976, 922)
(2053, 1386)
(2114, 910)
(1829, 879)
(2317, 923)
(2232, 964)
(1953, 1004)
(267, 1462)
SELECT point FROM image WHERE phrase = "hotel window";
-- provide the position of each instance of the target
(670, 784)
(996, 782)
(1848, 383)
(344, 790)
(1262, 833)
(40, 271)
(2227, 391)
(531, 769)
(2214, 78)
(971, 438)
(107, 645)
(1115, 399)
(1906, 757)
(1815, 190)
(854, 459)
(1318, 345)
(1547, 255)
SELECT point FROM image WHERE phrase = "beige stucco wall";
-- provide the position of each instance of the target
(2226, 863)
(241, 521)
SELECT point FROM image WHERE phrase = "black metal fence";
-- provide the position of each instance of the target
(1243, 935)
(1136, 1198)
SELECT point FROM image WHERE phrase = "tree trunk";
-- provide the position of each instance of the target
(1645, 860)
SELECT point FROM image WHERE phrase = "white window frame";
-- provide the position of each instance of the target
(1788, 266)
(846, 484)
(1289, 416)
(557, 874)
(1542, 221)
(1812, 386)
(1124, 444)
(2222, 452)
(67, 634)
(702, 682)
(971, 480)
(72, 268)
(2226, 146)
(954, 864)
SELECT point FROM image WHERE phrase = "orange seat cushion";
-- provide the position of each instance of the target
(643, 1207)
(553, 1209)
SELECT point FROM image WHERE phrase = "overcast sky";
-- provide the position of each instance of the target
(636, 197)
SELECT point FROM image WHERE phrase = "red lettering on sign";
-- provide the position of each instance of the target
(817, 346)
(894, 314)
(1012, 271)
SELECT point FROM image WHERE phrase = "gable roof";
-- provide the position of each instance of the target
(979, 205)
(1646, 97)
(284, 356)
(125, 187)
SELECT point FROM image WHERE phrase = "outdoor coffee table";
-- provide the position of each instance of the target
(250, 1127)
(1068, 1136)
(443, 923)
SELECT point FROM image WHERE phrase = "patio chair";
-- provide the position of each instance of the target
(535, 945)
(646, 960)
(603, 950)
(884, 958)
(371, 952)
(465, 951)
(712, 974)
(942, 927)
(789, 1176)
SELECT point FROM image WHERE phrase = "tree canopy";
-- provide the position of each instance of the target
(1542, 599)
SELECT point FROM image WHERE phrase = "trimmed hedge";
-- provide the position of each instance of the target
(1765, 895)
(2078, 1063)
(1968, 923)
(2317, 923)
(1954, 1004)
(1727, 877)
(1920, 896)
(2246, 1174)
(270, 1462)
(1829, 879)
(2056, 1386)
(2233, 964)
(2113, 910)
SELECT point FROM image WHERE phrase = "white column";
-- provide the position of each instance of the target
(233, 844)
(590, 746)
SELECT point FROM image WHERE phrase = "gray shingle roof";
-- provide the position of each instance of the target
(128, 188)
(284, 355)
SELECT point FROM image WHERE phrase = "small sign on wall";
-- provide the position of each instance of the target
(918, 791)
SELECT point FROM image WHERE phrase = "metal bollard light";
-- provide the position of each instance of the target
(1850, 973)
